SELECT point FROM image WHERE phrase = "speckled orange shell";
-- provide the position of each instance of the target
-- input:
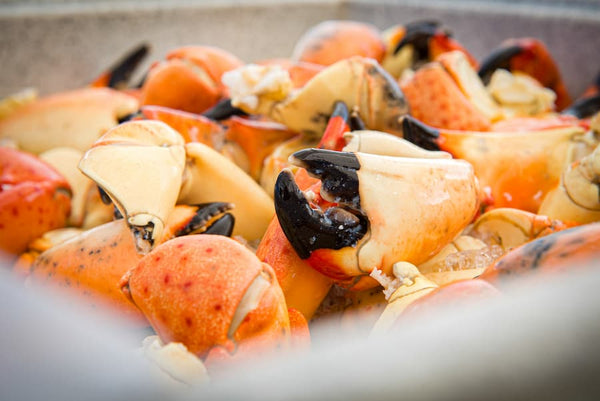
(436, 100)
(189, 289)
(90, 266)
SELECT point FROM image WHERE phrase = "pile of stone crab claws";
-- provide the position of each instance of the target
(229, 206)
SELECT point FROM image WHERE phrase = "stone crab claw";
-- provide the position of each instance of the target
(416, 43)
(359, 82)
(577, 196)
(361, 218)
(141, 150)
(162, 171)
(529, 56)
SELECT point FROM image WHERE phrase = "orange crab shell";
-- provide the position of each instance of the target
(34, 198)
(90, 267)
(332, 41)
(189, 79)
(304, 287)
(190, 289)
(257, 138)
(436, 100)
(193, 127)
(215, 61)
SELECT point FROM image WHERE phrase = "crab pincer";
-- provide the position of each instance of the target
(529, 56)
(212, 294)
(416, 43)
(372, 211)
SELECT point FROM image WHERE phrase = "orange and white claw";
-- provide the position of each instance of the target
(448, 94)
(74, 119)
(410, 46)
(360, 83)
(363, 221)
(153, 156)
(576, 198)
(529, 56)
(517, 168)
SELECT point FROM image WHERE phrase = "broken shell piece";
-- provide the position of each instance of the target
(519, 94)
(410, 285)
(174, 360)
(152, 157)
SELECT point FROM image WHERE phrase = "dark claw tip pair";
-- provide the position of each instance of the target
(309, 228)
(210, 218)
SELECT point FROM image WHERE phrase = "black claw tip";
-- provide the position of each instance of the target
(355, 122)
(104, 196)
(223, 110)
(130, 117)
(499, 58)
(336, 170)
(122, 71)
(309, 229)
(340, 109)
(222, 226)
(420, 134)
(418, 34)
(584, 108)
(210, 218)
